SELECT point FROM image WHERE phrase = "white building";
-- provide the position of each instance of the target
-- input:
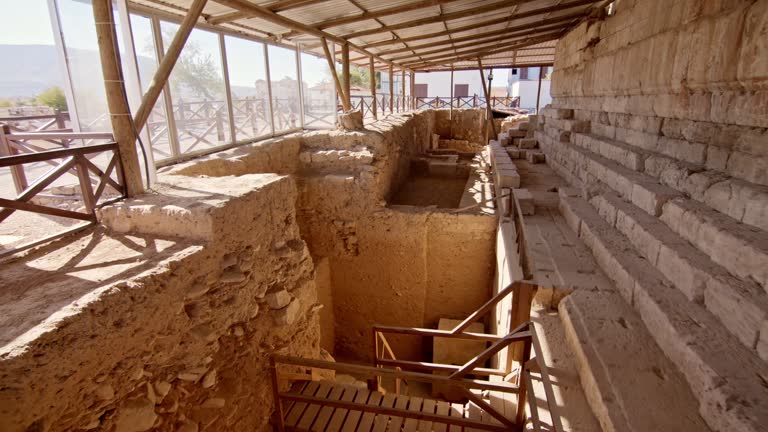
(466, 83)
(524, 82)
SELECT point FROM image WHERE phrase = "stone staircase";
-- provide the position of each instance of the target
(686, 329)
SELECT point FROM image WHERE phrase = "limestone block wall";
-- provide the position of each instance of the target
(659, 116)
(466, 124)
(183, 342)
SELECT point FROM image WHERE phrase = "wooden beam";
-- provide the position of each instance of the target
(117, 101)
(484, 24)
(476, 37)
(403, 91)
(479, 44)
(391, 89)
(266, 14)
(408, 7)
(332, 68)
(413, 90)
(372, 73)
(345, 74)
(467, 56)
(167, 64)
(276, 7)
(450, 114)
(495, 65)
(487, 91)
(498, 6)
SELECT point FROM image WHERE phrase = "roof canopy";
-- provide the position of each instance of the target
(419, 35)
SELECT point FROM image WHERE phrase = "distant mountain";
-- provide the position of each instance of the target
(28, 70)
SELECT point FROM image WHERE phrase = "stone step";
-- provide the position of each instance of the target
(642, 190)
(740, 248)
(742, 306)
(729, 380)
(740, 199)
(624, 374)
(719, 235)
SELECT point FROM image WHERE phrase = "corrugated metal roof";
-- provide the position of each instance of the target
(424, 35)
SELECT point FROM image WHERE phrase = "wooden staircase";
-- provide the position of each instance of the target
(495, 399)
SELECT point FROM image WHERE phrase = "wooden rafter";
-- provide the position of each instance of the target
(493, 7)
(268, 15)
(475, 37)
(479, 44)
(471, 55)
(367, 15)
(483, 24)
(473, 51)
(276, 7)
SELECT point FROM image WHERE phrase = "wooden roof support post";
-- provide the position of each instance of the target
(166, 65)
(372, 72)
(489, 111)
(117, 99)
(391, 88)
(345, 75)
(450, 113)
(402, 96)
(538, 92)
(332, 67)
(413, 90)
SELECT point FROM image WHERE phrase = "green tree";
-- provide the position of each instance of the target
(195, 71)
(54, 98)
(6, 103)
(359, 76)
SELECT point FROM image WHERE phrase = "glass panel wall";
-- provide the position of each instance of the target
(82, 51)
(283, 74)
(146, 59)
(197, 89)
(319, 92)
(249, 88)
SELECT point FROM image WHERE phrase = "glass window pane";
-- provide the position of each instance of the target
(82, 50)
(146, 59)
(285, 88)
(248, 83)
(319, 92)
(197, 89)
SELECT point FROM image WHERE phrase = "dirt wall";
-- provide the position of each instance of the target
(175, 337)
(462, 124)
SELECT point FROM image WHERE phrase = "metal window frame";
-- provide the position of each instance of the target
(227, 88)
(133, 79)
(173, 139)
(63, 60)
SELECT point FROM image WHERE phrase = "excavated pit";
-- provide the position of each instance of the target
(300, 245)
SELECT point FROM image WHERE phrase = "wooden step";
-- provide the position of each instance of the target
(728, 379)
(318, 417)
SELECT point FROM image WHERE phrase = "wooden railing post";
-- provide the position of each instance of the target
(120, 115)
(6, 149)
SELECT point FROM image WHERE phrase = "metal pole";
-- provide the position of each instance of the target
(301, 84)
(227, 89)
(538, 92)
(269, 91)
(391, 88)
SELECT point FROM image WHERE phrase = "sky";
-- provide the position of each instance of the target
(31, 25)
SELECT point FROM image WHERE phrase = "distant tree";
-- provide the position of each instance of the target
(54, 98)
(358, 76)
(6, 103)
(195, 72)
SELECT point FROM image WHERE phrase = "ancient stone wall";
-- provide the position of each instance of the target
(169, 325)
(466, 124)
(659, 117)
